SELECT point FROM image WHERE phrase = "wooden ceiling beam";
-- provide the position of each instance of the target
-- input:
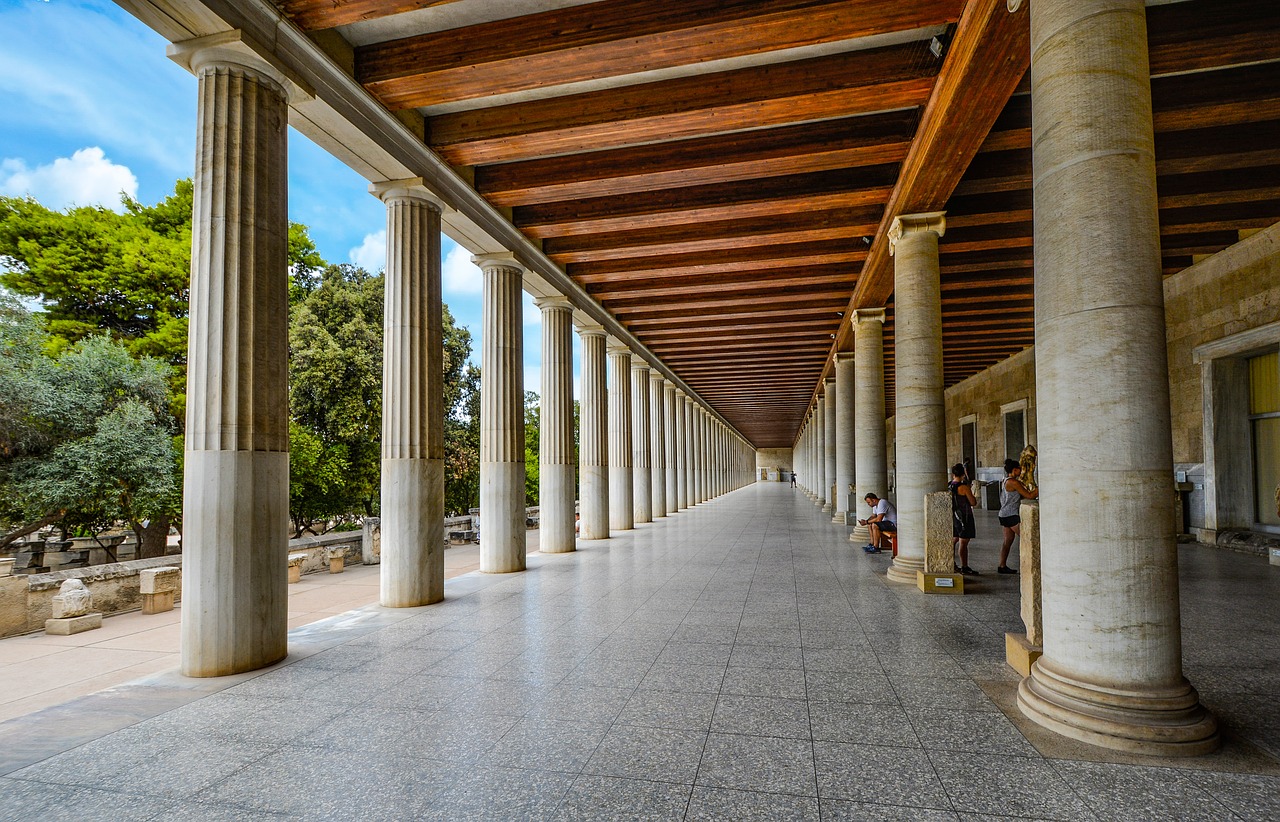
(988, 58)
(1184, 37)
(618, 37)
(809, 226)
(748, 258)
(314, 15)
(838, 85)
(646, 308)
(799, 193)
(845, 142)
(838, 282)
(752, 316)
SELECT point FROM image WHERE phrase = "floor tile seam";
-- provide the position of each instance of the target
(1057, 765)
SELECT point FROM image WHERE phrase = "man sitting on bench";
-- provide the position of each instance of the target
(883, 524)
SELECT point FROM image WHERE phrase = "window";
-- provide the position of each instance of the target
(969, 443)
(1264, 423)
(1015, 428)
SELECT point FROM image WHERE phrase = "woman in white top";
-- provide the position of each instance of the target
(1012, 493)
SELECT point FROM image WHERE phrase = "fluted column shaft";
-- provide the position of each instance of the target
(411, 569)
(593, 441)
(845, 427)
(829, 444)
(641, 441)
(921, 430)
(672, 447)
(658, 443)
(621, 504)
(682, 451)
(236, 487)
(1111, 673)
(872, 468)
(820, 451)
(555, 429)
(502, 470)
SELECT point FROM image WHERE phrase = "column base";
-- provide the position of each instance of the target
(838, 519)
(1151, 723)
(904, 570)
(861, 534)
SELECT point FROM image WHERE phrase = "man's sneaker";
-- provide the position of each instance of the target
(1005, 569)
(871, 549)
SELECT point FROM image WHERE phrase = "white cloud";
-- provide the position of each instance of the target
(371, 254)
(460, 275)
(87, 177)
(532, 314)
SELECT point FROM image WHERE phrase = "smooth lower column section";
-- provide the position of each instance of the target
(671, 445)
(1111, 673)
(658, 443)
(872, 468)
(921, 428)
(690, 460)
(621, 505)
(682, 451)
(555, 444)
(411, 571)
(593, 441)
(820, 451)
(502, 475)
(641, 437)
(845, 456)
(236, 486)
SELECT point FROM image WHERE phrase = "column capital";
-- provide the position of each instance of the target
(411, 188)
(589, 329)
(554, 302)
(234, 48)
(829, 382)
(844, 356)
(869, 315)
(657, 376)
(638, 364)
(904, 224)
(497, 259)
(615, 346)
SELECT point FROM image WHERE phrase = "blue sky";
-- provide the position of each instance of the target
(92, 107)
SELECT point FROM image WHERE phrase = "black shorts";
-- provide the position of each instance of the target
(1009, 522)
(963, 530)
(886, 526)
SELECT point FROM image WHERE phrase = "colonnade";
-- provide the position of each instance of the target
(647, 450)
(1111, 672)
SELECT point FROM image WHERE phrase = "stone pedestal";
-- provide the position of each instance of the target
(411, 548)
(593, 494)
(72, 610)
(1021, 650)
(938, 575)
(295, 567)
(502, 475)
(371, 541)
(13, 600)
(338, 559)
(159, 588)
(555, 446)
(1111, 673)
(921, 430)
(66, 626)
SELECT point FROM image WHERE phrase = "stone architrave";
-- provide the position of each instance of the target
(921, 425)
(159, 588)
(411, 545)
(1111, 673)
(502, 469)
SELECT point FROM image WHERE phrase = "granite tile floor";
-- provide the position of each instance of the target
(740, 660)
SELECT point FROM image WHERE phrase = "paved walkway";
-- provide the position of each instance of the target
(38, 671)
(740, 660)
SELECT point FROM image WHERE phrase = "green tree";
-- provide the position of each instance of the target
(532, 436)
(85, 436)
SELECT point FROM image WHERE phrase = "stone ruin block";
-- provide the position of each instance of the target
(72, 610)
(160, 587)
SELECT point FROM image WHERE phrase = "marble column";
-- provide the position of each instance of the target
(658, 443)
(1111, 673)
(682, 451)
(236, 484)
(870, 454)
(921, 428)
(671, 446)
(820, 451)
(641, 441)
(593, 440)
(621, 505)
(690, 462)
(845, 456)
(555, 427)
(829, 444)
(411, 568)
(502, 475)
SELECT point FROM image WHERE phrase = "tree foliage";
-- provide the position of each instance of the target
(85, 436)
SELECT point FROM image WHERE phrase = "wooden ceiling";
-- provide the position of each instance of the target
(721, 174)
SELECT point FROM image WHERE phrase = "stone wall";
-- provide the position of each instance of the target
(1229, 292)
(983, 394)
(773, 458)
